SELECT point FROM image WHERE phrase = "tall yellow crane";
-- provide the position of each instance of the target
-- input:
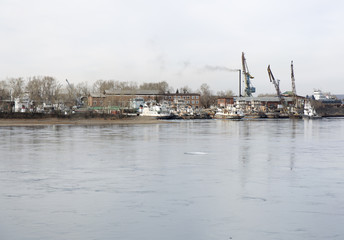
(247, 76)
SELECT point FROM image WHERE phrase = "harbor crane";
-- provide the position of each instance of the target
(276, 84)
(247, 76)
(79, 103)
(293, 84)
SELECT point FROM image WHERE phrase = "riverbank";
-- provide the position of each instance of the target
(66, 121)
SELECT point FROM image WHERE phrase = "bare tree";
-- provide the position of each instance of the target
(50, 89)
(101, 85)
(125, 85)
(185, 89)
(227, 93)
(17, 87)
(69, 98)
(43, 89)
(82, 89)
(4, 91)
(34, 89)
(207, 98)
(162, 87)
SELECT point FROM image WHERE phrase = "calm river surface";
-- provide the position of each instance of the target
(189, 180)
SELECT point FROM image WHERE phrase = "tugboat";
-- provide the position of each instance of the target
(154, 110)
(230, 113)
(309, 112)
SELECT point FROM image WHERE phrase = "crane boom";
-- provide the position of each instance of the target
(247, 76)
(275, 83)
(76, 98)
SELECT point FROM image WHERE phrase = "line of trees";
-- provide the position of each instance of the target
(38, 89)
(49, 90)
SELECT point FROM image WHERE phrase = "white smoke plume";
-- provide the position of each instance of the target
(219, 68)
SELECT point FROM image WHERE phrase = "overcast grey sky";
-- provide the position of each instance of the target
(175, 41)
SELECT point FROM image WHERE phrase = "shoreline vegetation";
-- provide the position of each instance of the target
(12, 120)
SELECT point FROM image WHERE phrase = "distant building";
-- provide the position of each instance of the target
(131, 98)
(187, 99)
(224, 102)
(96, 99)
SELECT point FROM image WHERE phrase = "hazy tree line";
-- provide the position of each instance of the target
(49, 90)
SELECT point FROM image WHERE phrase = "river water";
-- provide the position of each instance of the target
(210, 179)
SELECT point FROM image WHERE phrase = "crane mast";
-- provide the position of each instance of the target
(293, 82)
(247, 76)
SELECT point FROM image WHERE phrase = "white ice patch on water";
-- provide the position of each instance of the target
(196, 153)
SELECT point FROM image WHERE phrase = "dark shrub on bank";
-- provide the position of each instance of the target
(19, 115)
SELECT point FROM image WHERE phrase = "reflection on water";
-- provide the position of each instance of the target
(271, 179)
